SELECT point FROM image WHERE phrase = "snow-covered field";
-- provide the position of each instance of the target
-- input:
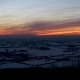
(13, 65)
(29, 56)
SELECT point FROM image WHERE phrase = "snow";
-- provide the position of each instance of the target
(34, 62)
(0, 57)
(20, 52)
(56, 52)
(38, 62)
(13, 65)
(12, 49)
(63, 63)
(45, 66)
(52, 52)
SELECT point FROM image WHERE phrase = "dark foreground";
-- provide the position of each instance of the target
(41, 73)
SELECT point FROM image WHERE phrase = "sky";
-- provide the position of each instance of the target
(40, 17)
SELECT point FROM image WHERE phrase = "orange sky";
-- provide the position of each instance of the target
(67, 31)
(44, 30)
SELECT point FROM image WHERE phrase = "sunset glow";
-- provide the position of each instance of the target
(40, 17)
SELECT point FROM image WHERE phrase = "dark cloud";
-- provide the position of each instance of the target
(53, 25)
(43, 26)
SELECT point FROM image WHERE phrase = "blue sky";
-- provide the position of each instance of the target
(16, 12)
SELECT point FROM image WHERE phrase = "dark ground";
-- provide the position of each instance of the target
(41, 73)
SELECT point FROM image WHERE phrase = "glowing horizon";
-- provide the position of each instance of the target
(40, 17)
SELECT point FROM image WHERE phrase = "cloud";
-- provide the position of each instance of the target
(46, 28)
(43, 25)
